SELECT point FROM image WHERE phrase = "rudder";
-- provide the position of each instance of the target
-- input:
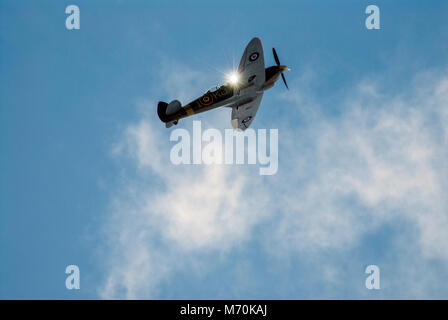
(161, 111)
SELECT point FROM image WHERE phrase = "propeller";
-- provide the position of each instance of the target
(278, 64)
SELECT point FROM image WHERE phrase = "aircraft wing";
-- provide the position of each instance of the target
(251, 67)
(244, 114)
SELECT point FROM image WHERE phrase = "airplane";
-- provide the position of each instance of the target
(243, 91)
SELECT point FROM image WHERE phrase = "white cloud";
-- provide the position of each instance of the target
(382, 160)
(384, 154)
(172, 213)
(189, 211)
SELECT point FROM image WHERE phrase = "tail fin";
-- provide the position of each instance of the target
(168, 112)
(161, 111)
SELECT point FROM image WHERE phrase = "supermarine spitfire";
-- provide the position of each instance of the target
(242, 93)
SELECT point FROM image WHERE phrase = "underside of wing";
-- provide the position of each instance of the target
(244, 114)
(251, 67)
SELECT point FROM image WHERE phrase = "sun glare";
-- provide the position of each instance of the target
(233, 78)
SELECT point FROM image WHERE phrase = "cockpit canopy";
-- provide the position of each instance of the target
(214, 89)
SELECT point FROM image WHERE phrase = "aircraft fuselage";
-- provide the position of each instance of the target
(226, 95)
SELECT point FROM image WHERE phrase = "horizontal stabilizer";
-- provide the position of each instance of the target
(173, 107)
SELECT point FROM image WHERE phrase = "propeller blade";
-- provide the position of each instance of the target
(284, 81)
(275, 56)
(277, 60)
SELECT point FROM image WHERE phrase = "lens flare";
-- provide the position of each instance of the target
(233, 78)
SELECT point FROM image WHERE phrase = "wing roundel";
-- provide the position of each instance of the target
(251, 67)
(243, 115)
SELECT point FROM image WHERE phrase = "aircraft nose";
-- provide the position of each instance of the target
(284, 68)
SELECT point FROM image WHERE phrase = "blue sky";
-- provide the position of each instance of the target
(86, 177)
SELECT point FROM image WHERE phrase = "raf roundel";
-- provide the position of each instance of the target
(206, 100)
(253, 56)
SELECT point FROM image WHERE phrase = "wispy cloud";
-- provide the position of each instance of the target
(383, 157)
(341, 177)
(172, 214)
